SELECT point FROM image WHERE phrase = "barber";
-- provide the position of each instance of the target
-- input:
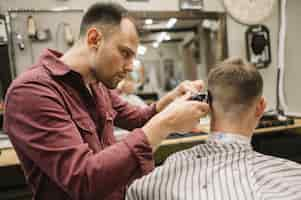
(60, 114)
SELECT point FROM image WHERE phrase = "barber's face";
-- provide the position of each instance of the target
(112, 57)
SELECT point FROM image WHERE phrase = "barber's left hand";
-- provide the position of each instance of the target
(186, 87)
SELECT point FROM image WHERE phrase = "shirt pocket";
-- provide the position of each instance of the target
(84, 125)
(108, 131)
(88, 132)
(110, 116)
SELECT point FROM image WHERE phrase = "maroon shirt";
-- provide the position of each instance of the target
(64, 138)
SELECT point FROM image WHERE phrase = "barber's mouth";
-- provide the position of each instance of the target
(120, 78)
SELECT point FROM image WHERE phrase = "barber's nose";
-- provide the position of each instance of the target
(129, 66)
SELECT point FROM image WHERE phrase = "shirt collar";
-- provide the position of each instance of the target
(226, 138)
(50, 60)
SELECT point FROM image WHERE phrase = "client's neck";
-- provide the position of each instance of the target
(242, 127)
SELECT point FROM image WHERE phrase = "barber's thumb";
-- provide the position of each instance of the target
(185, 97)
(204, 107)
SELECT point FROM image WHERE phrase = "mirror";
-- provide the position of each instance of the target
(177, 46)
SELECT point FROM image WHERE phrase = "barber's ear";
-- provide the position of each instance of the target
(94, 38)
(260, 107)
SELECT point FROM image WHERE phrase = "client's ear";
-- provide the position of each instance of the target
(260, 107)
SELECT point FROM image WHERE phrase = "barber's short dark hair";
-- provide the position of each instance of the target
(102, 14)
(235, 82)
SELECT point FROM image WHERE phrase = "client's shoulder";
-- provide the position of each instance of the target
(270, 168)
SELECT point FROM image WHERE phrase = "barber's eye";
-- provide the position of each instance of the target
(125, 54)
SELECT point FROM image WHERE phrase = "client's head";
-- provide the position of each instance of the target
(237, 104)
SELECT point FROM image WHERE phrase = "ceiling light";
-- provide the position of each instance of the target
(156, 44)
(161, 37)
(171, 22)
(167, 37)
(148, 21)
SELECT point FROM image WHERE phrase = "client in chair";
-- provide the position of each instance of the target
(226, 166)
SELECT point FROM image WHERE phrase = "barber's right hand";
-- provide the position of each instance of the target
(182, 115)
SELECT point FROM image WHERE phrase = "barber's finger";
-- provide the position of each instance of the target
(198, 84)
(204, 107)
(184, 97)
(190, 88)
(195, 86)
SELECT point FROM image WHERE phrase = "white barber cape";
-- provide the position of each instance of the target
(224, 168)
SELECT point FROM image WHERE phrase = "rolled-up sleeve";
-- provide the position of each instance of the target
(43, 130)
(130, 116)
(138, 143)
